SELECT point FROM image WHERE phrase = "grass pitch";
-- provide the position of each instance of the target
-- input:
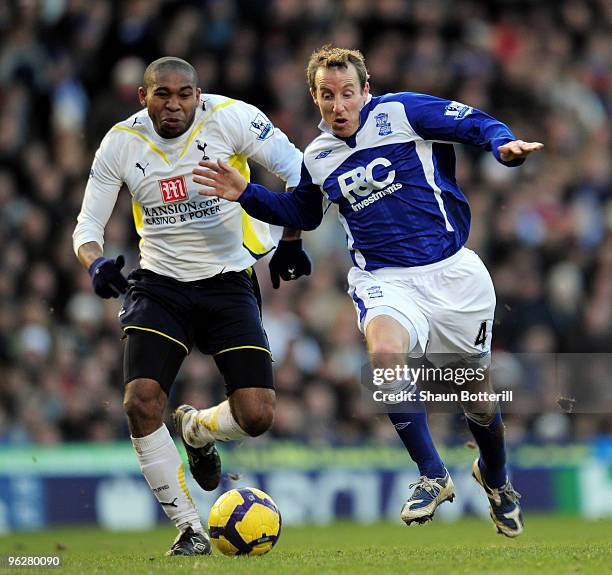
(550, 544)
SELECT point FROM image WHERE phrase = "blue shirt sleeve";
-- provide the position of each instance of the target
(438, 119)
(301, 209)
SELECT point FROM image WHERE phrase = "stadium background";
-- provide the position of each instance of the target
(69, 69)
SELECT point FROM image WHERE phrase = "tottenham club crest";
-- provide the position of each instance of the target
(202, 147)
(383, 124)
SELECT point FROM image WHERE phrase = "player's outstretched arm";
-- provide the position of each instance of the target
(221, 179)
(301, 209)
(517, 150)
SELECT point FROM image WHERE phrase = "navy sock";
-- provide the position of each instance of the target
(413, 430)
(490, 441)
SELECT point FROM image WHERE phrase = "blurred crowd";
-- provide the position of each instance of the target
(69, 69)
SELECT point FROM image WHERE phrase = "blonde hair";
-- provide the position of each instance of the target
(329, 56)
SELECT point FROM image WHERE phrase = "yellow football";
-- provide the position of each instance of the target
(244, 522)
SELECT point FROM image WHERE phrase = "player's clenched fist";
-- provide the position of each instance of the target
(106, 277)
(289, 262)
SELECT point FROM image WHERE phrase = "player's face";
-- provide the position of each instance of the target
(339, 96)
(171, 101)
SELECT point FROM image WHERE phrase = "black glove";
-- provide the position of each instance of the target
(289, 262)
(106, 277)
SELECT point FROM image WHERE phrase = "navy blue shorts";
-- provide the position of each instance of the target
(219, 315)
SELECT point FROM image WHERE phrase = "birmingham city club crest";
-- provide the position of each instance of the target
(383, 124)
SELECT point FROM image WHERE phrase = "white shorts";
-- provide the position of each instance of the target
(449, 304)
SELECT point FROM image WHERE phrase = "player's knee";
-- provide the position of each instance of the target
(386, 336)
(259, 422)
(255, 414)
(144, 400)
(256, 426)
(385, 352)
(381, 347)
(482, 414)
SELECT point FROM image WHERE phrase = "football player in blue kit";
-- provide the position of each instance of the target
(388, 163)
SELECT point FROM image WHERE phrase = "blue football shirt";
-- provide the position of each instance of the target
(393, 180)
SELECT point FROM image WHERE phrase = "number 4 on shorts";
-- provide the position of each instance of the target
(481, 338)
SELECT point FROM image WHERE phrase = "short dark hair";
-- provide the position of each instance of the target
(329, 56)
(169, 63)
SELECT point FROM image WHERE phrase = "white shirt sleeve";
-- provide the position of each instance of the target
(252, 134)
(100, 194)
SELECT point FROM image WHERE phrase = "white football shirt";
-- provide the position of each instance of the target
(184, 235)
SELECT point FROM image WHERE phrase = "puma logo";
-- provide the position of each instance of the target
(170, 504)
(142, 168)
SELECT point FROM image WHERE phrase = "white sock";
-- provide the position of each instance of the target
(163, 469)
(213, 424)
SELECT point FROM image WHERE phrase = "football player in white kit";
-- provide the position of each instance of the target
(195, 283)
(389, 165)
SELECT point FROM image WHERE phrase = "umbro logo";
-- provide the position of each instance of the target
(323, 154)
(402, 425)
